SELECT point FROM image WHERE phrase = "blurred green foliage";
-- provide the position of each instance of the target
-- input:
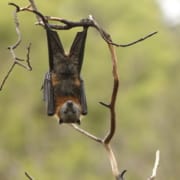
(147, 106)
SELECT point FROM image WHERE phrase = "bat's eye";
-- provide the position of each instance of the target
(65, 112)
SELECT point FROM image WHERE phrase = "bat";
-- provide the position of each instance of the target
(63, 86)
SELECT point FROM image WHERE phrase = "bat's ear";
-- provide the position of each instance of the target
(78, 46)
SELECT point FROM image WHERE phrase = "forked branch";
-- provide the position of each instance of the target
(88, 22)
(17, 60)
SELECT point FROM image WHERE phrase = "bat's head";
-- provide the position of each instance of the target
(70, 112)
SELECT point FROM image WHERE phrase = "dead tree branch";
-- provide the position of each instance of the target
(28, 176)
(114, 95)
(88, 22)
(84, 132)
(156, 165)
(16, 60)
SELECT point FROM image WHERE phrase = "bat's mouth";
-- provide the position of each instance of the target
(70, 121)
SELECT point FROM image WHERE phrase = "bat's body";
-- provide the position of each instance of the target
(63, 87)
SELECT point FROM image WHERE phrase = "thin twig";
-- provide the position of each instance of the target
(34, 7)
(89, 135)
(156, 165)
(6, 76)
(29, 67)
(121, 175)
(16, 60)
(28, 176)
(16, 26)
(104, 104)
(136, 41)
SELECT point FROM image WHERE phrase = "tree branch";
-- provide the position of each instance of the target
(88, 22)
(156, 165)
(113, 96)
(16, 60)
(28, 176)
(84, 132)
(112, 160)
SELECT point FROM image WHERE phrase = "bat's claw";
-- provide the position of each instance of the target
(60, 121)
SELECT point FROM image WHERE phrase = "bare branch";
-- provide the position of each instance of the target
(88, 22)
(34, 7)
(89, 135)
(104, 104)
(121, 176)
(6, 76)
(29, 67)
(135, 42)
(17, 27)
(114, 95)
(16, 60)
(28, 176)
(156, 165)
(112, 160)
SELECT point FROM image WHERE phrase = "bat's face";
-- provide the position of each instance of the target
(70, 113)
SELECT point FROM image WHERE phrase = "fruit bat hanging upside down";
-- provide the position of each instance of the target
(63, 87)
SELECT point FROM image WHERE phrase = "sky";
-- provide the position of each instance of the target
(171, 11)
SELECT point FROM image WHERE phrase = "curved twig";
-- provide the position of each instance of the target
(28, 176)
(16, 60)
(84, 132)
(156, 165)
(114, 95)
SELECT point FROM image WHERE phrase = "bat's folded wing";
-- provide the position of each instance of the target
(49, 94)
(83, 99)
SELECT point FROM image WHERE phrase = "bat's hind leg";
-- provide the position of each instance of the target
(49, 94)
